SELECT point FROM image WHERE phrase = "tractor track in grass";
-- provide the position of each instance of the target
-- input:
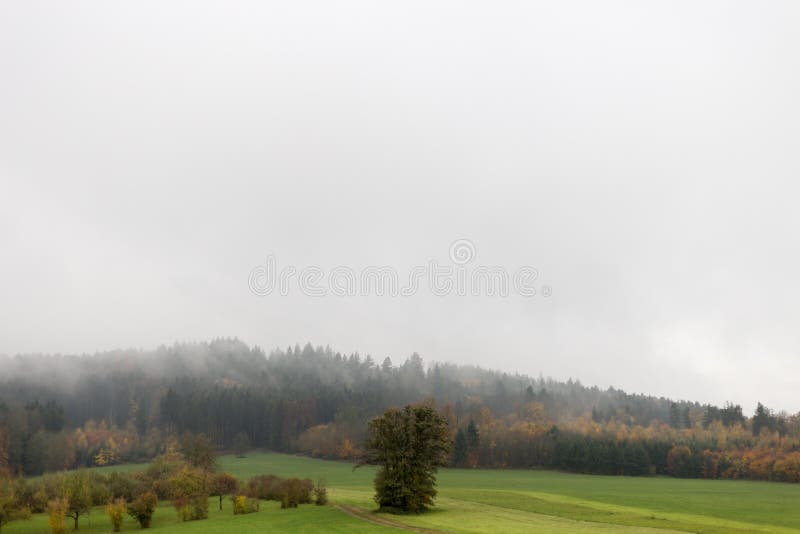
(358, 513)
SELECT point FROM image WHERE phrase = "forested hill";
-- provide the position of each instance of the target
(60, 412)
(103, 386)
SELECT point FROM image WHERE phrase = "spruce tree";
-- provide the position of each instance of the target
(460, 449)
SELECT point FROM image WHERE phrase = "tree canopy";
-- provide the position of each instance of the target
(409, 444)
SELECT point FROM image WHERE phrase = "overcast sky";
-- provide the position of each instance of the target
(643, 156)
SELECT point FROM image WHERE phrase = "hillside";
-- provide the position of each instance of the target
(66, 411)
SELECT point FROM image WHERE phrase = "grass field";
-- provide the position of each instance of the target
(493, 501)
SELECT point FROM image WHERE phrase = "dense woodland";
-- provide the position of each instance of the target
(59, 412)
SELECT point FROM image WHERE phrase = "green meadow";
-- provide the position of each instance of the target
(489, 501)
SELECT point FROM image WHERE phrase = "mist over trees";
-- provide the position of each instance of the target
(60, 412)
(144, 388)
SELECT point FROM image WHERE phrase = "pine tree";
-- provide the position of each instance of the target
(674, 416)
(761, 419)
(460, 449)
(472, 436)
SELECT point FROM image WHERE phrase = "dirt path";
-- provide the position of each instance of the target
(382, 521)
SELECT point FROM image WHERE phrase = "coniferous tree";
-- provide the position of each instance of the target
(761, 419)
(686, 421)
(460, 449)
(473, 438)
(674, 416)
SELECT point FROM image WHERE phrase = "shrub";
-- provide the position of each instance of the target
(245, 505)
(162, 488)
(192, 508)
(52, 486)
(158, 477)
(320, 493)
(38, 501)
(116, 511)
(289, 492)
(198, 450)
(29, 495)
(142, 508)
(295, 491)
(98, 488)
(57, 510)
(12, 503)
(122, 486)
(267, 487)
(190, 494)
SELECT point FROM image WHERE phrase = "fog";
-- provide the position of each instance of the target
(641, 156)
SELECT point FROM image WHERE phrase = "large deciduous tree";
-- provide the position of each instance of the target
(409, 444)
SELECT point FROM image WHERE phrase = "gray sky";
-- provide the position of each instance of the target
(643, 156)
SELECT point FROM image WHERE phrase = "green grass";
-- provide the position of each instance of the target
(495, 501)
(306, 518)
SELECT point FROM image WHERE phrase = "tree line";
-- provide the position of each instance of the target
(59, 412)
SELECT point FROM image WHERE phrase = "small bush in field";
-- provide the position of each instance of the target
(116, 511)
(295, 491)
(266, 487)
(57, 512)
(99, 491)
(245, 505)
(290, 492)
(142, 508)
(122, 486)
(320, 493)
(38, 500)
(190, 494)
(192, 508)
